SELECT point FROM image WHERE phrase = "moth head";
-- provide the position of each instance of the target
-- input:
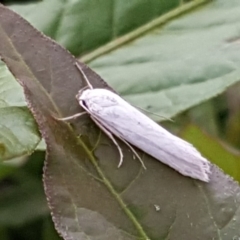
(79, 94)
(82, 97)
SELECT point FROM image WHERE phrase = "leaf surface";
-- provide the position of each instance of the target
(81, 26)
(174, 67)
(214, 150)
(89, 197)
(18, 130)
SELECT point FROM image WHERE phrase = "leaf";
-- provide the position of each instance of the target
(11, 93)
(89, 197)
(18, 130)
(177, 66)
(181, 72)
(217, 152)
(172, 68)
(80, 25)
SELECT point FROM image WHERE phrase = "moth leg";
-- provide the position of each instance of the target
(109, 134)
(134, 152)
(72, 117)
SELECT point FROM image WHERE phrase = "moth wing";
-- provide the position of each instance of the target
(125, 121)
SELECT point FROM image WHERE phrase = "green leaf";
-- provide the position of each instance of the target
(81, 26)
(214, 150)
(172, 68)
(18, 130)
(88, 195)
(11, 93)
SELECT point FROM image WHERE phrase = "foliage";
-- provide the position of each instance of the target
(159, 56)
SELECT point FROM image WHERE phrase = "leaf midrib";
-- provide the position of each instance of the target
(106, 182)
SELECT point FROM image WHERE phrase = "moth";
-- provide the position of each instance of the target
(117, 118)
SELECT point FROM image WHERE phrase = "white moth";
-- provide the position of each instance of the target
(118, 118)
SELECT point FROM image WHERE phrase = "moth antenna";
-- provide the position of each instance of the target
(84, 75)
